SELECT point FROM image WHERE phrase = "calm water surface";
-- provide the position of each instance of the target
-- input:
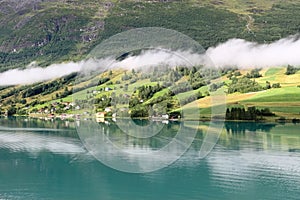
(47, 160)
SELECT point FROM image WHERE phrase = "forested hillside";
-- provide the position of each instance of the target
(54, 31)
(49, 31)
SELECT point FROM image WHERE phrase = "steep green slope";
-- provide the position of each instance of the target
(141, 91)
(51, 31)
(48, 31)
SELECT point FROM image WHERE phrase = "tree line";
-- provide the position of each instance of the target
(252, 113)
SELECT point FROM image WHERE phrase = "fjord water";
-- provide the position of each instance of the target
(47, 160)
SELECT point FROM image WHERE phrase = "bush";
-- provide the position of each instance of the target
(244, 85)
(254, 74)
(139, 111)
(291, 70)
(276, 85)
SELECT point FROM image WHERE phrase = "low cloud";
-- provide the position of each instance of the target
(39, 74)
(244, 54)
(161, 58)
(145, 59)
(233, 53)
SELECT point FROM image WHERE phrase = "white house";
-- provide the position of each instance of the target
(165, 116)
(107, 109)
(107, 89)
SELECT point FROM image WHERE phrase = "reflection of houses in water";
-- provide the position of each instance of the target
(124, 136)
(100, 120)
(100, 117)
(160, 117)
(165, 121)
(100, 114)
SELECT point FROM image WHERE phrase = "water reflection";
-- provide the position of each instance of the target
(242, 127)
(35, 143)
(25, 122)
(247, 164)
(127, 152)
(23, 135)
(261, 136)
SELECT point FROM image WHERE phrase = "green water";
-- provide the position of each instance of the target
(47, 160)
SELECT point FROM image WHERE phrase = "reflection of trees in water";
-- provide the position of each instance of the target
(242, 134)
(242, 127)
(34, 123)
(161, 139)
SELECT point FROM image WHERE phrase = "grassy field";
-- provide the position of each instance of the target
(284, 101)
(284, 94)
(58, 31)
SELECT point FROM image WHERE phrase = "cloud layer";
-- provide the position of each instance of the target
(244, 54)
(233, 53)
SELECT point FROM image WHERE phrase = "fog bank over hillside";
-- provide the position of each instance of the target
(146, 59)
(233, 53)
(244, 54)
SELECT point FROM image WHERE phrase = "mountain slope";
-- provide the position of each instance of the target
(51, 31)
(139, 91)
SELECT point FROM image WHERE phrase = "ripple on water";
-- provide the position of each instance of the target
(34, 143)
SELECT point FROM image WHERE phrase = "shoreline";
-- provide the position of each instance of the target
(277, 119)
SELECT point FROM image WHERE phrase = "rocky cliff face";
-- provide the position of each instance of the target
(30, 29)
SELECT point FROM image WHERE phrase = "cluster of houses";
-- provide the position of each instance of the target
(58, 105)
(65, 110)
(58, 110)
